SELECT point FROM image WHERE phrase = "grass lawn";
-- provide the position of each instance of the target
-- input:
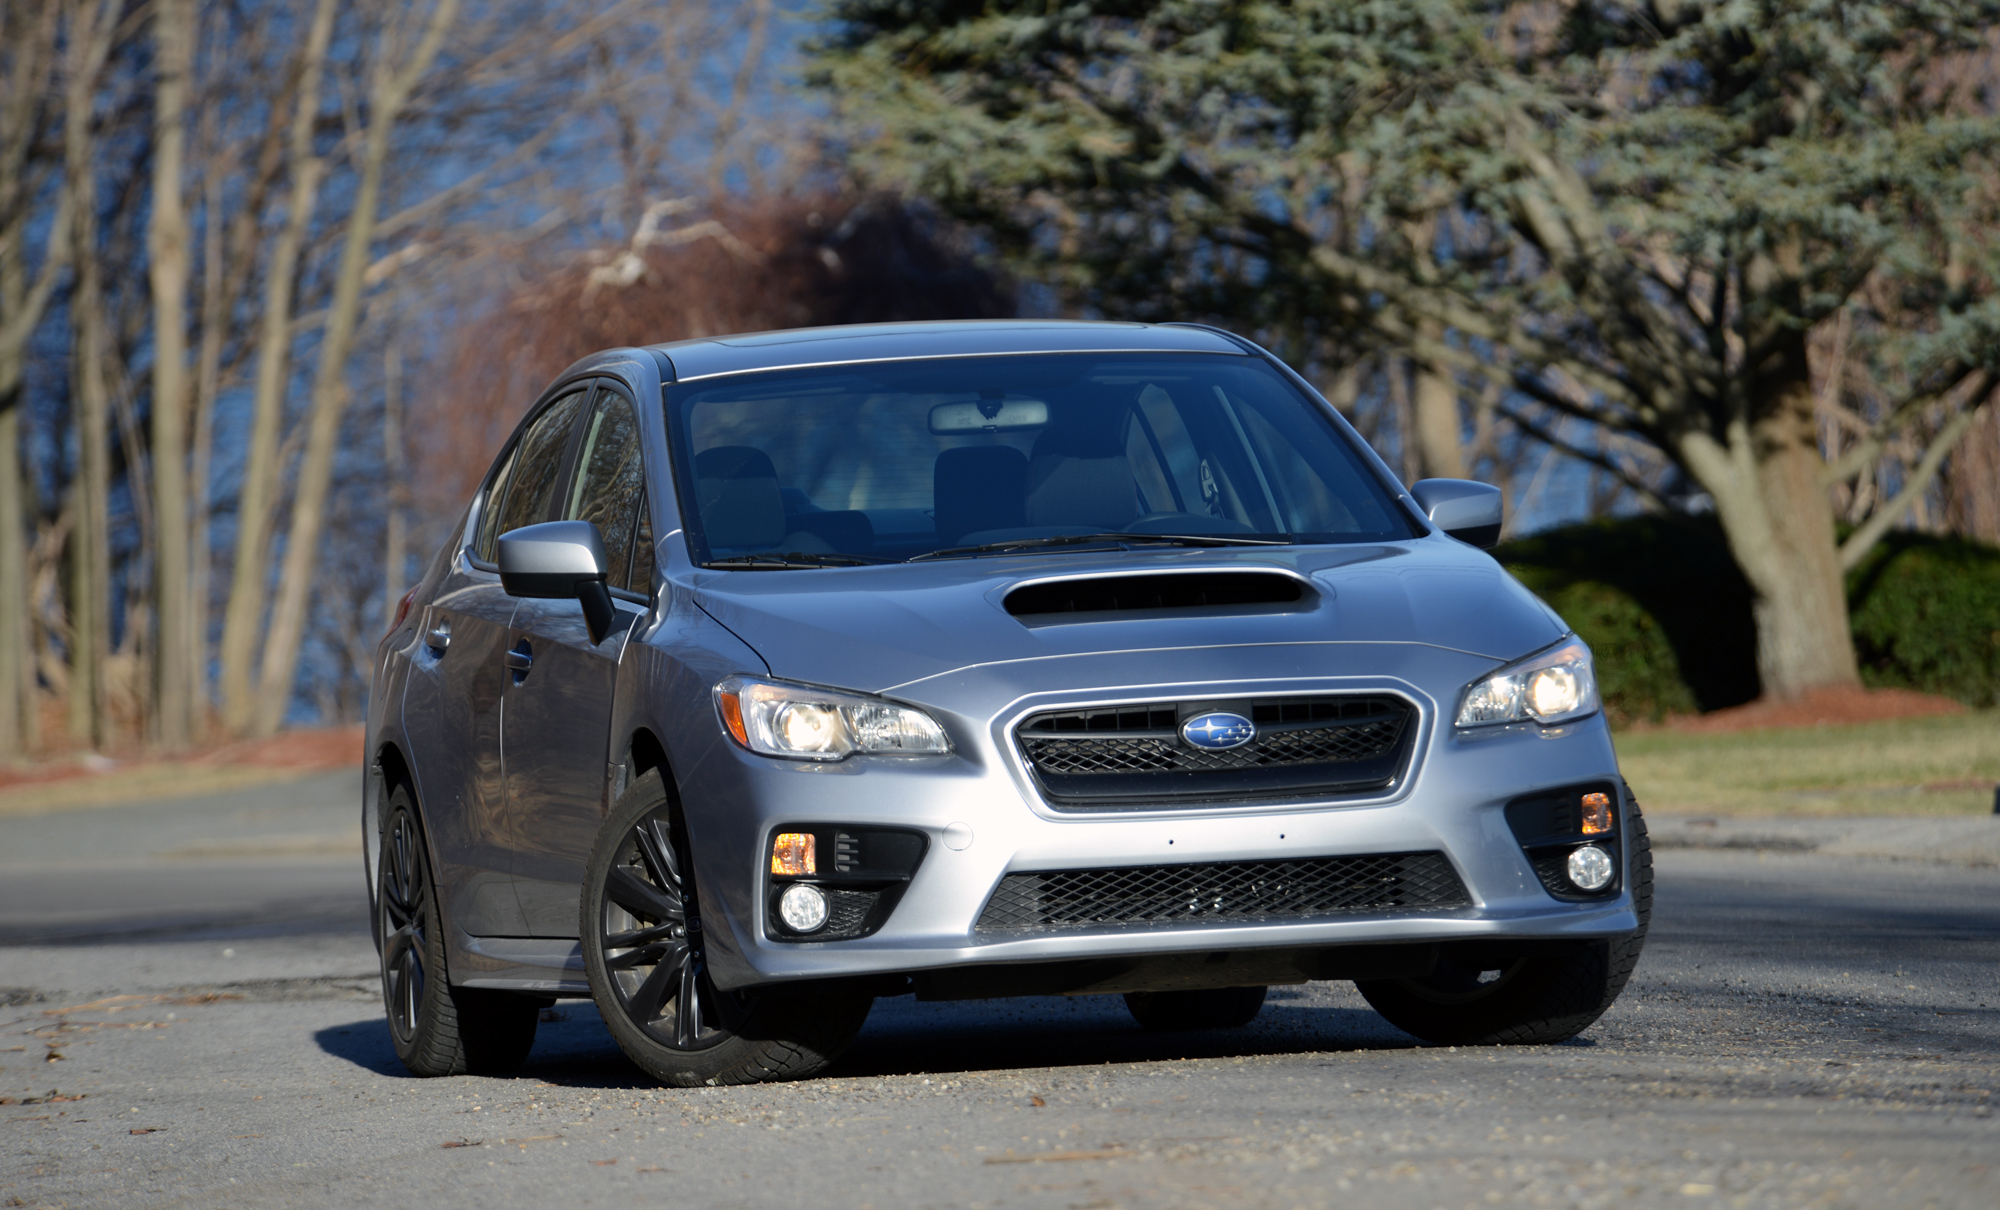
(1920, 766)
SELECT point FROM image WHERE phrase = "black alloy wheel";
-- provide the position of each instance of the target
(644, 953)
(649, 929)
(403, 925)
(436, 1029)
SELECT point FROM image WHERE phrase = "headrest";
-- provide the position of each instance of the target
(736, 489)
(1084, 430)
(978, 487)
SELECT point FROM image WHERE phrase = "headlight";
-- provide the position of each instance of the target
(805, 723)
(1552, 687)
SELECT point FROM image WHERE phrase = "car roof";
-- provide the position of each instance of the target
(801, 347)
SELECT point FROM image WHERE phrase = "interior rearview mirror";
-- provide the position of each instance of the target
(988, 416)
(557, 560)
(1461, 508)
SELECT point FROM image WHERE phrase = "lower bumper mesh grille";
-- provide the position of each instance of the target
(1223, 890)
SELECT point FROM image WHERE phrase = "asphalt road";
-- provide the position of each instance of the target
(192, 1019)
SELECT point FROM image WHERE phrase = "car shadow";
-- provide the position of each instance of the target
(905, 1036)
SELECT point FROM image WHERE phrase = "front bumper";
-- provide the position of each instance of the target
(984, 819)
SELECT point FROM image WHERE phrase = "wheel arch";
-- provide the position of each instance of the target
(643, 753)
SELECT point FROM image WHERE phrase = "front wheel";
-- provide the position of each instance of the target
(1524, 998)
(643, 952)
(436, 1029)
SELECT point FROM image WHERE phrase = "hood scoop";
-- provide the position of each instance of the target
(1117, 598)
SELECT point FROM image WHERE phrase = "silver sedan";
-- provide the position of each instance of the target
(765, 675)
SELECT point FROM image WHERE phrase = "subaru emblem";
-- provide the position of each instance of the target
(1218, 730)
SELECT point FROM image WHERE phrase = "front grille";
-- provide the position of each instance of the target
(1223, 890)
(1115, 756)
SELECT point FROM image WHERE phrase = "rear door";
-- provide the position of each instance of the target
(559, 707)
(455, 699)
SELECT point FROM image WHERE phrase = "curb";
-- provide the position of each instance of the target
(1963, 841)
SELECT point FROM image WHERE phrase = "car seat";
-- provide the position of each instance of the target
(1079, 475)
(978, 487)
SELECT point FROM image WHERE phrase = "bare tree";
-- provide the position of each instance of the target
(28, 59)
(256, 501)
(397, 72)
(167, 253)
(92, 25)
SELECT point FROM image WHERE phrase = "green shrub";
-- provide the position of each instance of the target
(1926, 615)
(1667, 613)
(1659, 601)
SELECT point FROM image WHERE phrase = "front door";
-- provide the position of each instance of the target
(559, 696)
(454, 694)
(458, 689)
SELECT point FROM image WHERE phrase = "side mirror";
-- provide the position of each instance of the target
(557, 560)
(1461, 508)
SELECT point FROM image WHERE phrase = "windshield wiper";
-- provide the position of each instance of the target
(790, 560)
(1119, 540)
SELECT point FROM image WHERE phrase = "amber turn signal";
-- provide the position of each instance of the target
(732, 717)
(793, 853)
(1596, 814)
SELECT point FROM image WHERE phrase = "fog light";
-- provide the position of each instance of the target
(794, 853)
(803, 907)
(1596, 814)
(1589, 868)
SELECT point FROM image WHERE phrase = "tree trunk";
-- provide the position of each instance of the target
(167, 250)
(1779, 524)
(17, 677)
(390, 89)
(90, 32)
(256, 500)
(394, 470)
(32, 51)
(1439, 432)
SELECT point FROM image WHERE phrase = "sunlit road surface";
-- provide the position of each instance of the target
(1802, 1031)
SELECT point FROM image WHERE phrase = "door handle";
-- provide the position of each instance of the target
(439, 636)
(520, 657)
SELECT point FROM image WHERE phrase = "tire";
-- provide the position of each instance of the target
(642, 950)
(437, 1029)
(1210, 1008)
(1539, 998)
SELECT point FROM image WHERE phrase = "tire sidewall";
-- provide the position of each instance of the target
(427, 1050)
(645, 796)
(781, 1036)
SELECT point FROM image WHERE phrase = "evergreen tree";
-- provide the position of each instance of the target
(1633, 213)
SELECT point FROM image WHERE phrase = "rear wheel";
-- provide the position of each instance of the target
(437, 1030)
(1524, 998)
(1209, 1008)
(644, 954)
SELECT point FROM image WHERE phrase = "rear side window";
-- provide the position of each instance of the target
(610, 481)
(535, 470)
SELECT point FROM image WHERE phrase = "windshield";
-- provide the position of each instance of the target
(899, 460)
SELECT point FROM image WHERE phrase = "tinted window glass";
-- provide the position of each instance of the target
(641, 580)
(895, 460)
(610, 478)
(489, 510)
(539, 466)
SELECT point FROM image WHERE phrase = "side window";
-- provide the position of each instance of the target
(641, 580)
(611, 477)
(538, 466)
(483, 547)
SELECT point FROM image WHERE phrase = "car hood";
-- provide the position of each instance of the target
(879, 629)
